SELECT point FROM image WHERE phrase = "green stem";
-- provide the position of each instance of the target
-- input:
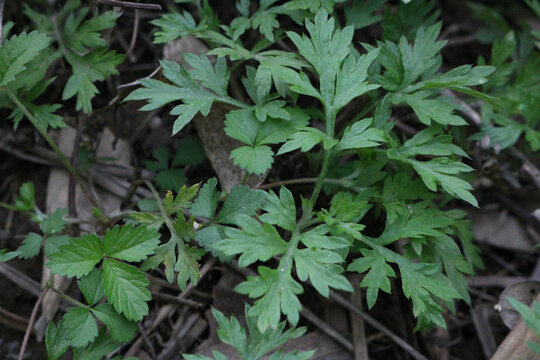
(330, 124)
(9, 207)
(344, 182)
(244, 179)
(67, 297)
(234, 102)
(286, 262)
(321, 178)
(166, 218)
(51, 143)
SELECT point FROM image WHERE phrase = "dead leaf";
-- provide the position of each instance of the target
(499, 229)
(524, 292)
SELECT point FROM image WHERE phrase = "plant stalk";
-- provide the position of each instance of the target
(67, 297)
(52, 144)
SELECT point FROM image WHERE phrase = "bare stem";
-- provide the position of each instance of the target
(51, 143)
(1, 22)
(130, 5)
(31, 322)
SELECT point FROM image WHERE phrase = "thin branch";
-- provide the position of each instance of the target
(72, 185)
(327, 329)
(52, 144)
(135, 31)
(137, 82)
(147, 341)
(1, 22)
(31, 323)
(130, 5)
(377, 325)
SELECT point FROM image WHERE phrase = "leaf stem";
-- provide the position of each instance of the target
(8, 207)
(321, 178)
(67, 297)
(231, 101)
(51, 143)
(342, 182)
(286, 262)
(330, 124)
(166, 218)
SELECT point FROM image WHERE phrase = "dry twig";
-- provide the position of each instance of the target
(130, 5)
(31, 323)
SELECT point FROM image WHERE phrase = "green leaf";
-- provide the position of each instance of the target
(280, 211)
(171, 179)
(96, 65)
(254, 241)
(205, 204)
(217, 356)
(80, 35)
(428, 142)
(377, 277)
(80, 326)
(215, 78)
(151, 221)
(6, 256)
(56, 340)
(400, 188)
(420, 282)
(53, 244)
(347, 207)
(162, 160)
(231, 332)
(189, 151)
(274, 109)
(174, 25)
(305, 140)
(258, 343)
(361, 14)
(91, 287)
(241, 200)
(261, 343)
(530, 317)
(187, 265)
(277, 291)
(25, 202)
(407, 18)
(120, 328)
(242, 125)
(17, 52)
(31, 246)
(326, 49)
(186, 88)
(441, 170)
(208, 236)
(53, 223)
(318, 238)
(322, 269)
(350, 78)
(256, 160)
(359, 135)
(182, 200)
(429, 110)
(78, 257)
(103, 345)
(130, 244)
(274, 131)
(126, 288)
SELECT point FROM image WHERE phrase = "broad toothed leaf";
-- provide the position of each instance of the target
(126, 288)
(78, 257)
